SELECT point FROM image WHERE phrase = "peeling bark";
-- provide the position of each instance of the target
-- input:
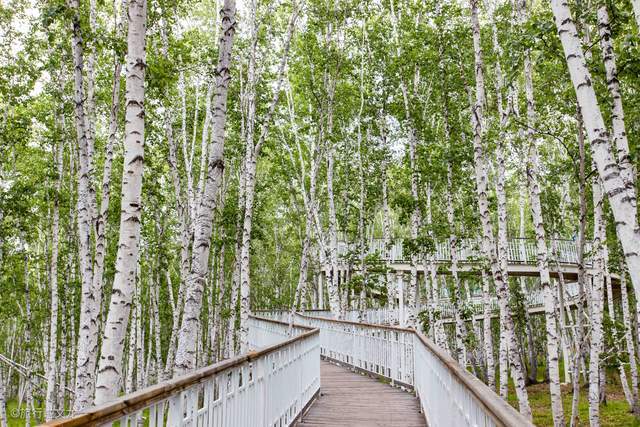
(622, 204)
(110, 367)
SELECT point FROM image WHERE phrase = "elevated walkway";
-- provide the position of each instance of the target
(349, 399)
(521, 257)
(407, 381)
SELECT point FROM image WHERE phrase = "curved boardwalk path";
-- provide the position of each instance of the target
(350, 399)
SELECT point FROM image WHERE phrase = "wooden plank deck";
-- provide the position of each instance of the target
(354, 400)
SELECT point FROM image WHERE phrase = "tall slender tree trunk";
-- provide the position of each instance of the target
(27, 343)
(185, 354)
(627, 169)
(100, 245)
(628, 336)
(623, 204)
(487, 334)
(157, 333)
(128, 379)
(461, 348)
(253, 149)
(533, 356)
(596, 306)
(3, 401)
(183, 214)
(551, 321)
(87, 340)
(578, 359)
(386, 233)
(616, 332)
(110, 367)
(483, 208)
(362, 244)
(218, 331)
(186, 157)
(436, 326)
(333, 280)
(636, 11)
(50, 403)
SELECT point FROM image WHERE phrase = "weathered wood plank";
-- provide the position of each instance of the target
(351, 399)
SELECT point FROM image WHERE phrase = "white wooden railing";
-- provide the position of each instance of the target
(449, 395)
(391, 316)
(267, 387)
(377, 316)
(272, 385)
(534, 300)
(519, 250)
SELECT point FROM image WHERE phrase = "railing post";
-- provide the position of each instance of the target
(400, 279)
(320, 290)
(175, 410)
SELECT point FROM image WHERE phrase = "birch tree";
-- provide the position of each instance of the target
(253, 147)
(551, 321)
(185, 354)
(53, 281)
(623, 204)
(110, 367)
(483, 207)
(87, 344)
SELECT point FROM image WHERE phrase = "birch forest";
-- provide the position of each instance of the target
(169, 168)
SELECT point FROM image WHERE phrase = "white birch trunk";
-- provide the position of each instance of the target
(90, 112)
(3, 402)
(50, 403)
(309, 203)
(578, 359)
(622, 204)
(159, 367)
(611, 311)
(551, 321)
(110, 367)
(217, 333)
(100, 246)
(628, 336)
(483, 208)
(253, 151)
(140, 371)
(461, 349)
(332, 279)
(131, 352)
(636, 12)
(386, 230)
(182, 210)
(415, 212)
(191, 209)
(487, 335)
(205, 141)
(596, 307)
(533, 358)
(545, 282)
(437, 330)
(87, 340)
(27, 343)
(361, 197)
(185, 354)
(619, 134)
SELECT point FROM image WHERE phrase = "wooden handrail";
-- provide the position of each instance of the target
(142, 398)
(498, 408)
(502, 412)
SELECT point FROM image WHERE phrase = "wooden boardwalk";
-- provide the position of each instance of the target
(354, 400)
